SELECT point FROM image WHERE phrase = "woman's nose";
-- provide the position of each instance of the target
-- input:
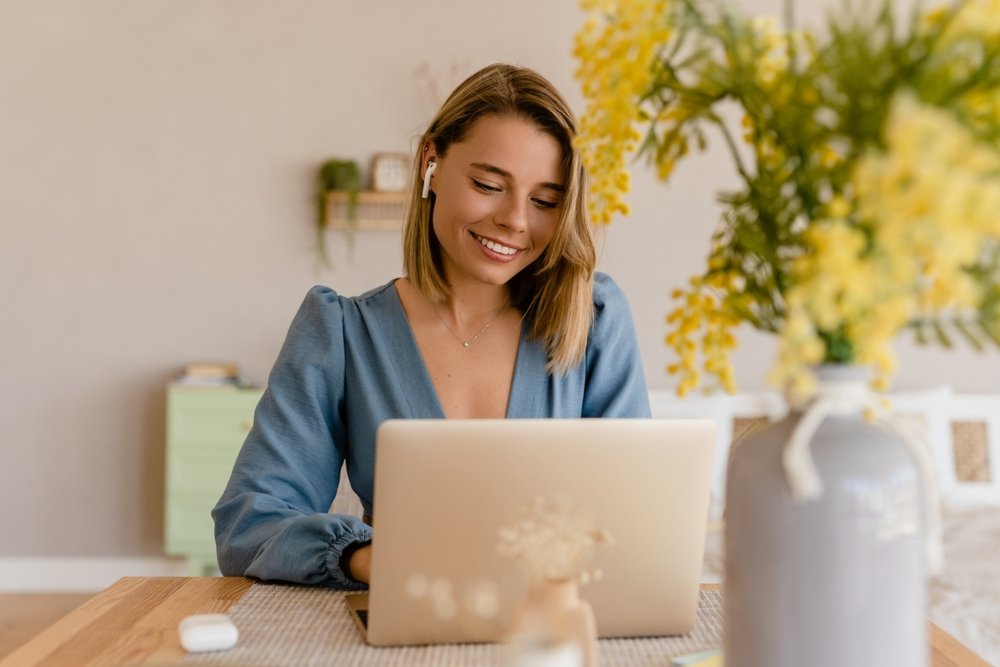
(513, 215)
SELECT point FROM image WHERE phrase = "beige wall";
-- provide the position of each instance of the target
(156, 164)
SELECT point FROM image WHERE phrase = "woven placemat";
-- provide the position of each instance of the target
(310, 627)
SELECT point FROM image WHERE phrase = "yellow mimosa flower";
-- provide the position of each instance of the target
(865, 201)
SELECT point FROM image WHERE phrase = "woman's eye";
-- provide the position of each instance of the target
(545, 203)
(485, 187)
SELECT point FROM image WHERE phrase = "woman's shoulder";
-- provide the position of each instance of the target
(325, 298)
(607, 293)
(325, 314)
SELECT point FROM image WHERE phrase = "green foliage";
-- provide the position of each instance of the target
(335, 175)
(811, 111)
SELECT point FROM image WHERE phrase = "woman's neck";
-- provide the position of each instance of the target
(468, 304)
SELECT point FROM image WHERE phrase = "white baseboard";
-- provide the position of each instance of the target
(80, 575)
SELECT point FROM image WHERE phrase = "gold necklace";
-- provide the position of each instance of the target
(467, 342)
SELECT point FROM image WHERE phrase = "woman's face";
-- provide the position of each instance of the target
(498, 199)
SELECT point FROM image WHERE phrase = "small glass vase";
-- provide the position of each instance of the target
(829, 580)
(551, 617)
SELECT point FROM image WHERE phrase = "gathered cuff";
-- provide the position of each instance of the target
(338, 578)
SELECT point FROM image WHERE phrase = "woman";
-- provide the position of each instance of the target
(500, 314)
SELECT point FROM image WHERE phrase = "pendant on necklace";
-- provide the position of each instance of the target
(467, 343)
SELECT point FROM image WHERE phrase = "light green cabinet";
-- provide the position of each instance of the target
(206, 427)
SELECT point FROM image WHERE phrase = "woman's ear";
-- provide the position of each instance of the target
(429, 155)
(428, 163)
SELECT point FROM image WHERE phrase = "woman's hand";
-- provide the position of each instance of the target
(359, 564)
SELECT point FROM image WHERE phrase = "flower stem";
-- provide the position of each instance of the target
(733, 148)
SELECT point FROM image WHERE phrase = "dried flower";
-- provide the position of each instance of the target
(554, 541)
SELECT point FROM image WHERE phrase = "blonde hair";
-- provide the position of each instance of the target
(556, 291)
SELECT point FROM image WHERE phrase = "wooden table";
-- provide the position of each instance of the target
(134, 622)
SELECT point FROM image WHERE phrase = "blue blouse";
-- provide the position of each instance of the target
(347, 365)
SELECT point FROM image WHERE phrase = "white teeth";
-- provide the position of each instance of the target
(496, 247)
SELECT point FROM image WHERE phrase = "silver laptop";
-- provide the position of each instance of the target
(445, 488)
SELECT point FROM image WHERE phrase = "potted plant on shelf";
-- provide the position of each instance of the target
(869, 205)
(335, 175)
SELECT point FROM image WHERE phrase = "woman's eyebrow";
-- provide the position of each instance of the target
(493, 169)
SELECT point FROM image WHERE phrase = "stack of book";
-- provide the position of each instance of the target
(211, 374)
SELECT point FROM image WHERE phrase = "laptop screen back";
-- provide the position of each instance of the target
(445, 488)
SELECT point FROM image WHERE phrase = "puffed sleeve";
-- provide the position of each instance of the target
(272, 521)
(615, 381)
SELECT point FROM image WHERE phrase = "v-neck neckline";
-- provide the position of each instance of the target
(424, 401)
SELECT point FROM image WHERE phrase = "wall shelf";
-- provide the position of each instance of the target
(376, 210)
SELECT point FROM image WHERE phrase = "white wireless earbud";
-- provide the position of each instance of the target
(431, 166)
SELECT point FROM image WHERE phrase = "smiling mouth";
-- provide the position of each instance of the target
(496, 247)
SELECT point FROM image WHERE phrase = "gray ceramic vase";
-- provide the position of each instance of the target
(834, 581)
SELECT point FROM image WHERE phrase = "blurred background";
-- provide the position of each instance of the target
(157, 168)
